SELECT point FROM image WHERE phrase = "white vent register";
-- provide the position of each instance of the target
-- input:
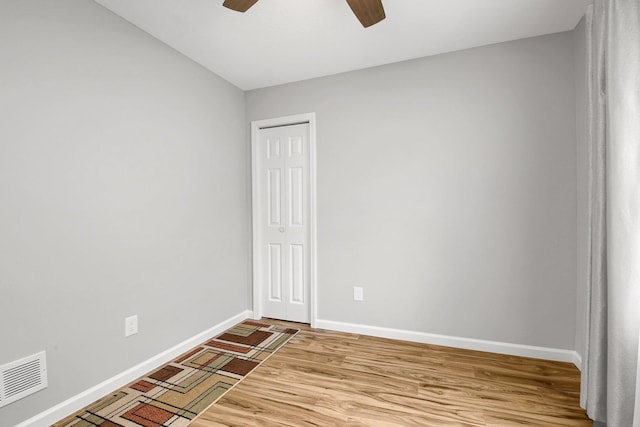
(22, 377)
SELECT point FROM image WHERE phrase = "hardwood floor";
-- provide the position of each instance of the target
(324, 378)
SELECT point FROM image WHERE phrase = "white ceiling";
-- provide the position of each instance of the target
(281, 41)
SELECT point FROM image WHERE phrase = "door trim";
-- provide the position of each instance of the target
(255, 204)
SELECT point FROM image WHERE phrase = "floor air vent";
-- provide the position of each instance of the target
(23, 377)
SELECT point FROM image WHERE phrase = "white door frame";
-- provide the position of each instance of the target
(255, 202)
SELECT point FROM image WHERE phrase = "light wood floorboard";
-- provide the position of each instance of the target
(325, 378)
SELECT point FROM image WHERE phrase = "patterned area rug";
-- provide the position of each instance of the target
(178, 392)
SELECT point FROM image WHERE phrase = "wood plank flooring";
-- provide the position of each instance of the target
(324, 378)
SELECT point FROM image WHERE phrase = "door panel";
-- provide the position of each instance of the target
(275, 273)
(283, 168)
(273, 148)
(274, 197)
(296, 197)
(296, 273)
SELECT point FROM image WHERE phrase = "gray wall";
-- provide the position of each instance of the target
(582, 178)
(123, 190)
(447, 189)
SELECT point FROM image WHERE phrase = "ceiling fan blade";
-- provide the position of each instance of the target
(239, 5)
(368, 12)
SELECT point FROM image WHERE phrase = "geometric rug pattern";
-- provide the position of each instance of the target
(176, 393)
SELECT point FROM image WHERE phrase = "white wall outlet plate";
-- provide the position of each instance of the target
(358, 293)
(130, 325)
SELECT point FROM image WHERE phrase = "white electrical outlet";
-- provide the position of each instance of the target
(130, 325)
(358, 293)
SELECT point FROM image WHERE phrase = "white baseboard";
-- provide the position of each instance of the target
(577, 360)
(457, 342)
(89, 396)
